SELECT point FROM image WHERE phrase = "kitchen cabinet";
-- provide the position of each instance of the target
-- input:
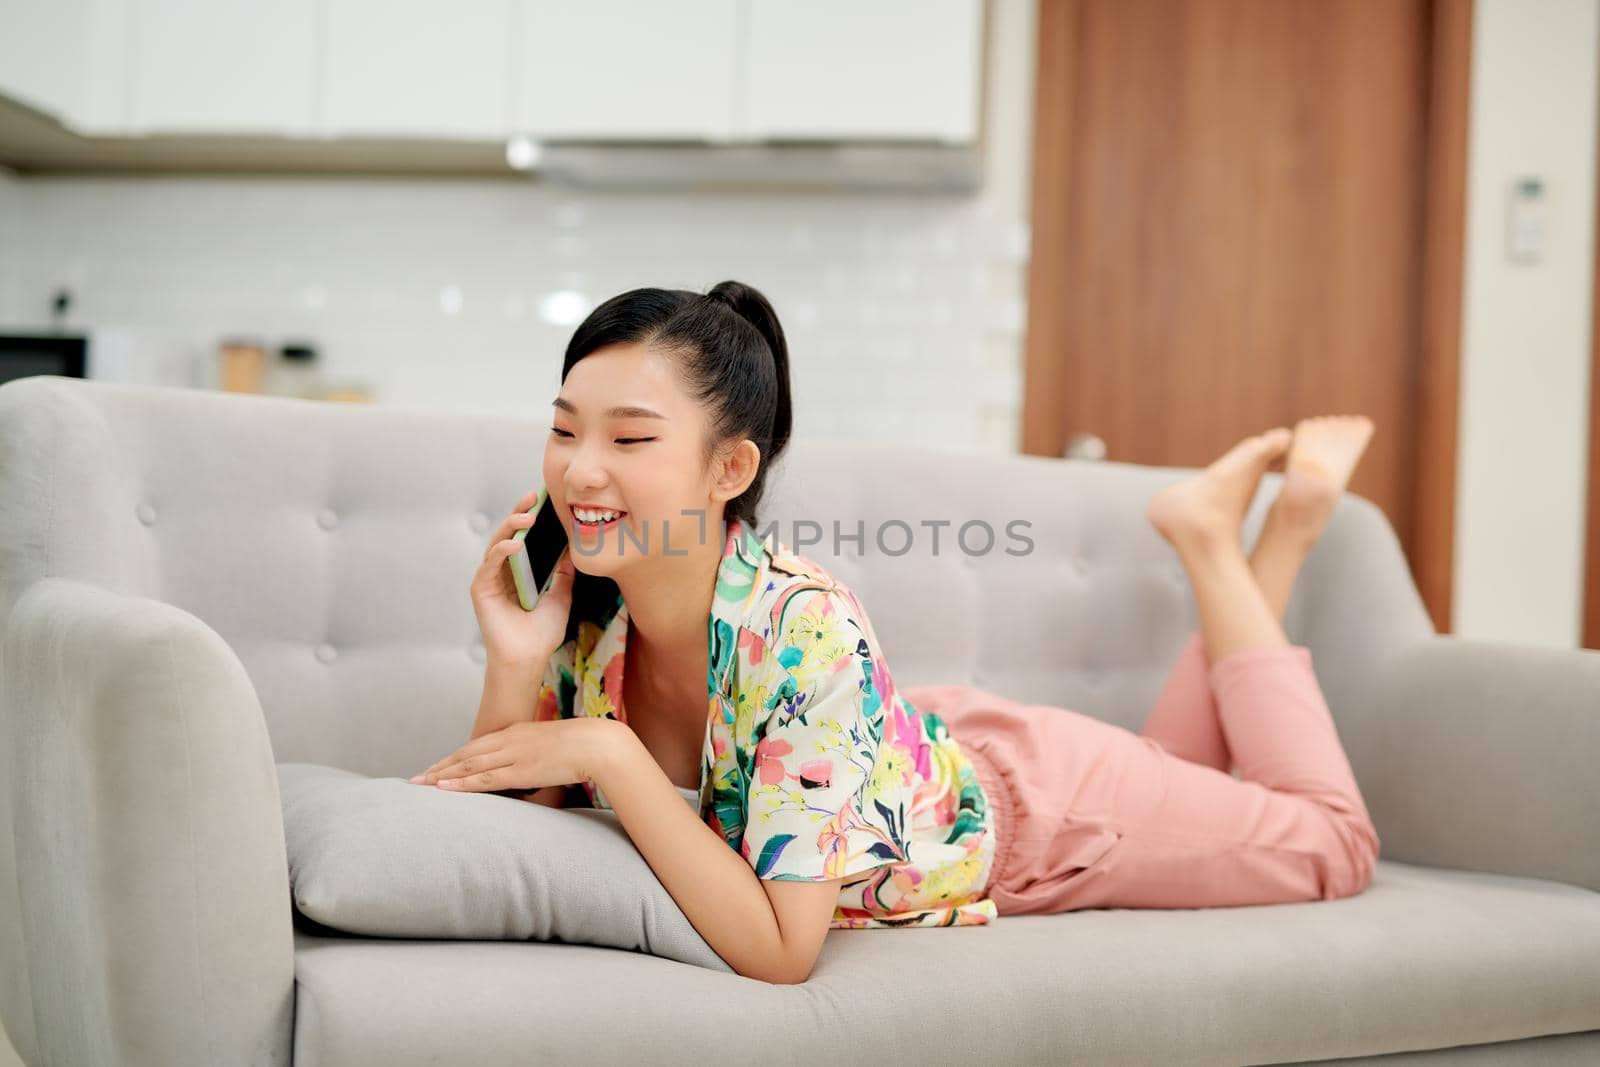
(64, 58)
(627, 72)
(848, 70)
(417, 68)
(222, 66)
(628, 69)
(35, 37)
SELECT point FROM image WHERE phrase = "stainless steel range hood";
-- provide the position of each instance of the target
(825, 166)
(32, 142)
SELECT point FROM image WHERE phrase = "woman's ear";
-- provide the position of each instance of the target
(737, 469)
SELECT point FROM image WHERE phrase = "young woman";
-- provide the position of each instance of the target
(760, 755)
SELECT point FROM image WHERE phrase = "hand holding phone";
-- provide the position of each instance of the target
(520, 628)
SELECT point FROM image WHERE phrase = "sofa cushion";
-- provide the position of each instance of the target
(1425, 958)
(386, 858)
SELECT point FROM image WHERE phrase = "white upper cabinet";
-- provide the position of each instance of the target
(602, 70)
(417, 68)
(863, 69)
(42, 55)
(222, 66)
(65, 58)
(627, 69)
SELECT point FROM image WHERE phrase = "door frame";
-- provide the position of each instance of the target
(1443, 281)
(1441, 284)
(1590, 637)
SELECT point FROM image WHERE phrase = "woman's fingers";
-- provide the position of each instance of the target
(487, 750)
(520, 516)
(470, 767)
(482, 782)
(526, 502)
(478, 745)
(516, 520)
(513, 523)
(475, 775)
(501, 549)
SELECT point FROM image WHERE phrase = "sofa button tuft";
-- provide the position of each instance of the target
(326, 652)
(327, 519)
(146, 513)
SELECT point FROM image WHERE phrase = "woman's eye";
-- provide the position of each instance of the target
(620, 440)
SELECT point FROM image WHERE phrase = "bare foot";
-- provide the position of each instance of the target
(1321, 459)
(1210, 506)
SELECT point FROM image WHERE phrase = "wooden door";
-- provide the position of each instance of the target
(1246, 212)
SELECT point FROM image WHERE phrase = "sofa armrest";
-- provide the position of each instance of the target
(145, 911)
(1484, 756)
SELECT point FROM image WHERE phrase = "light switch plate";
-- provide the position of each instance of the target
(1527, 219)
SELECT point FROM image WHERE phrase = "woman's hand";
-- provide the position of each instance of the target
(510, 634)
(526, 755)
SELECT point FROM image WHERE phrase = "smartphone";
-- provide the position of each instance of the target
(534, 566)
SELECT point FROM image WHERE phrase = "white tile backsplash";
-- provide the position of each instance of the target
(904, 313)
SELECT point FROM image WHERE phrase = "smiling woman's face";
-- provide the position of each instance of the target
(647, 466)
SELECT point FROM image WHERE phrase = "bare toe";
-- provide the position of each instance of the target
(1321, 460)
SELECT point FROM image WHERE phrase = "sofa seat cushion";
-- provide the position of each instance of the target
(1425, 958)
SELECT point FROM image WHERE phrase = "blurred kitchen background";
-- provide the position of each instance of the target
(1127, 230)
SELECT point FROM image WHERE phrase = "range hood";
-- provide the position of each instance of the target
(33, 142)
(910, 166)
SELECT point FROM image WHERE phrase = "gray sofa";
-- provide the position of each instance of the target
(198, 585)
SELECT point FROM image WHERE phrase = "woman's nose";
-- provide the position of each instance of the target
(583, 474)
(584, 480)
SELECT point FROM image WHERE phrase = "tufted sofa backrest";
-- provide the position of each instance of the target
(1047, 584)
(331, 547)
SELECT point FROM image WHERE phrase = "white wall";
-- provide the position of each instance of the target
(1524, 419)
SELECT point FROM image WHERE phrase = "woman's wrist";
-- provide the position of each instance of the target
(510, 695)
(519, 667)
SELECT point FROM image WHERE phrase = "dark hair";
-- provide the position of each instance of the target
(730, 350)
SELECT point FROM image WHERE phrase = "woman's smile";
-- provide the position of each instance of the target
(593, 529)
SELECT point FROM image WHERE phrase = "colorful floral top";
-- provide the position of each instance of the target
(813, 767)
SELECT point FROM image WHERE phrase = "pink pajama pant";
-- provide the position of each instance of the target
(1091, 815)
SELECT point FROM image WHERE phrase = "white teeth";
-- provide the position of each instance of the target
(585, 515)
